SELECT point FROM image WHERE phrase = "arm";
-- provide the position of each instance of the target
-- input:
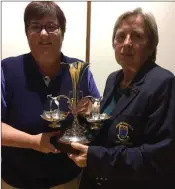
(13, 137)
(16, 138)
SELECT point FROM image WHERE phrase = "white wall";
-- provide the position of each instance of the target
(103, 18)
(104, 15)
(14, 41)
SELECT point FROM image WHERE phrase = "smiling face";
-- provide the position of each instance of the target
(45, 39)
(131, 43)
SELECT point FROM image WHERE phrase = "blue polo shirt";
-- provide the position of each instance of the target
(23, 99)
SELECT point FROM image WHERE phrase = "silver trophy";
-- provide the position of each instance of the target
(76, 132)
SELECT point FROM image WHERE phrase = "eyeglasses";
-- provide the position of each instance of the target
(37, 28)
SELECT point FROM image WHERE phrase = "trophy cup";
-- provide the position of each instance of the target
(96, 118)
(54, 116)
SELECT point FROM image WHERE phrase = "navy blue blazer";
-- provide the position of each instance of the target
(137, 143)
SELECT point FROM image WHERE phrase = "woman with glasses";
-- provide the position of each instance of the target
(136, 145)
(29, 160)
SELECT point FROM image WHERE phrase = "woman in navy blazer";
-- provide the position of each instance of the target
(137, 143)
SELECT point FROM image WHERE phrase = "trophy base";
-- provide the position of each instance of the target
(69, 139)
(64, 145)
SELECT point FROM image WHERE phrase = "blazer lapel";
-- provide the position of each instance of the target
(127, 98)
(110, 88)
(124, 101)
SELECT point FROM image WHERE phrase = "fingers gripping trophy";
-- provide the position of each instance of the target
(76, 132)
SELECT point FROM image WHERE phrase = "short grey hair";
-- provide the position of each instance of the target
(150, 25)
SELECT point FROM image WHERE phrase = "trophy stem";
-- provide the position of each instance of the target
(76, 133)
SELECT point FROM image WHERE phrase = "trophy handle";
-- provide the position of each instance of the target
(53, 99)
(64, 96)
(50, 104)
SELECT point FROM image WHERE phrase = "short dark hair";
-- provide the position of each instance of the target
(150, 24)
(39, 9)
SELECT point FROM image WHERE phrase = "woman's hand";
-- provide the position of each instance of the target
(41, 142)
(80, 159)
